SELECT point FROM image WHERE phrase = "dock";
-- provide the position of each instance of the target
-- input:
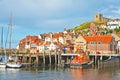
(57, 58)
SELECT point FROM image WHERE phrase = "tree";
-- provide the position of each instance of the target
(111, 31)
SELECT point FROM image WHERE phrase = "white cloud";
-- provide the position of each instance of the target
(111, 11)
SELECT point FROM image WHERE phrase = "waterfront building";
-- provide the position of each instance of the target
(80, 43)
(101, 43)
(28, 43)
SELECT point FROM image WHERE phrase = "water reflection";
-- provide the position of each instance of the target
(106, 71)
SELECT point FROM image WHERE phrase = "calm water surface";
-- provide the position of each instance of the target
(103, 72)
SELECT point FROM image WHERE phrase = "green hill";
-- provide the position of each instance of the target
(86, 25)
(82, 26)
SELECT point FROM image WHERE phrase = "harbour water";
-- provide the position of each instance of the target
(106, 71)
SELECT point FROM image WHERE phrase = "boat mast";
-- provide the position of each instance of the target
(10, 33)
(2, 41)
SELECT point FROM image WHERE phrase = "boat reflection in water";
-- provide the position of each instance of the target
(108, 70)
(89, 74)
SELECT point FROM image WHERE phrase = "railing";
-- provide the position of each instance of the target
(105, 54)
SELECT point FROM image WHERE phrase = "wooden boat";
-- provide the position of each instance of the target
(79, 61)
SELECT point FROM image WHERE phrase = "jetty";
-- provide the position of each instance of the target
(57, 58)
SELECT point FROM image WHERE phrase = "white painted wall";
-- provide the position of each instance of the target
(112, 24)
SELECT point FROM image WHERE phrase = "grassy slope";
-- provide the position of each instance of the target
(86, 25)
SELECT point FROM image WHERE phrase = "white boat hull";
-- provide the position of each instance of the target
(13, 65)
(2, 65)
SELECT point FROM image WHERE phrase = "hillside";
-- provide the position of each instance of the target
(86, 25)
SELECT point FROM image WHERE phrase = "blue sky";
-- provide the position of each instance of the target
(33, 17)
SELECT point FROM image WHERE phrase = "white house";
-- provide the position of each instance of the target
(52, 46)
(118, 43)
(61, 40)
(112, 24)
(48, 39)
(47, 46)
(103, 26)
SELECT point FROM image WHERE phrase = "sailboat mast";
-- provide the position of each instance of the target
(2, 41)
(10, 33)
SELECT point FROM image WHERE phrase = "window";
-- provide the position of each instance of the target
(68, 41)
(92, 42)
(79, 42)
(96, 16)
(28, 43)
(99, 42)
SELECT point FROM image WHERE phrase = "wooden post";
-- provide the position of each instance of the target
(101, 58)
(50, 58)
(37, 59)
(55, 57)
(29, 58)
(59, 58)
(95, 60)
(24, 59)
(44, 57)
(98, 63)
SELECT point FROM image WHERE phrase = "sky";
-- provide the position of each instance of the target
(34, 17)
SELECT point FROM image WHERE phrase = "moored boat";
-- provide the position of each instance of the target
(79, 61)
(3, 54)
(2, 65)
(13, 64)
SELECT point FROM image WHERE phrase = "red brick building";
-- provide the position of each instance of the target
(93, 28)
(101, 43)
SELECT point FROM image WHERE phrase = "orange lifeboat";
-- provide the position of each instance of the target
(81, 60)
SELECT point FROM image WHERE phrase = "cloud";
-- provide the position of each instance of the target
(112, 11)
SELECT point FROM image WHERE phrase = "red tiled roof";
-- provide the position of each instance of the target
(57, 35)
(23, 41)
(96, 38)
